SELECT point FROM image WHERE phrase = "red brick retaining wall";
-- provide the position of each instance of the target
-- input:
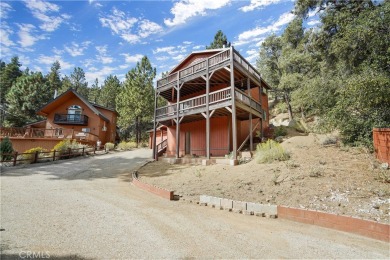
(381, 138)
(166, 194)
(343, 223)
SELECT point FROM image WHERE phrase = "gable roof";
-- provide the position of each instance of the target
(46, 109)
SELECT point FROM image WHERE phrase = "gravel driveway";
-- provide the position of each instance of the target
(87, 209)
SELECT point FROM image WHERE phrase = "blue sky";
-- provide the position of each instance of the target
(109, 37)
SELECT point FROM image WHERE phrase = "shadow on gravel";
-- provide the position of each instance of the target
(115, 166)
(159, 169)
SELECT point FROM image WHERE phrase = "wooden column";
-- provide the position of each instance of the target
(155, 157)
(177, 119)
(262, 114)
(207, 111)
(248, 85)
(233, 97)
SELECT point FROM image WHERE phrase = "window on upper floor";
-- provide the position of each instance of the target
(74, 112)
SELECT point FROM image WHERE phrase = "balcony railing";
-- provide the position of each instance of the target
(200, 102)
(212, 61)
(70, 119)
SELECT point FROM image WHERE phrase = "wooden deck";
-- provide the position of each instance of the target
(218, 99)
(214, 63)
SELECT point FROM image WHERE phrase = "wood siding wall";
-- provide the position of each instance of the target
(95, 123)
(219, 137)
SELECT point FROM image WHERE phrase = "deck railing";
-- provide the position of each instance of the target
(200, 101)
(38, 133)
(162, 145)
(214, 60)
(71, 119)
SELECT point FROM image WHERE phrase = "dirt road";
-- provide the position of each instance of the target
(87, 209)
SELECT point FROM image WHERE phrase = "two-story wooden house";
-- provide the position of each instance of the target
(69, 116)
(217, 103)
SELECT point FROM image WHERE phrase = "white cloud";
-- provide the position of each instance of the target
(101, 74)
(147, 28)
(313, 22)
(40, 10)
(258, 4)
(102, 55)
(248, 36)
(197, 47)
(26, 35)
(76, 49)
(132, 58)
(168, 49)
(4, 10)
(118, 22)
(130, 38)
(49, 60)
(124, 25)
(162, 58)
(5, 32)
(185, 9)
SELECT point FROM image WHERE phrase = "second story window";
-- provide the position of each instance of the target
(74, 113)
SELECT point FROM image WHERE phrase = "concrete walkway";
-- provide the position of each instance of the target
(87, 209)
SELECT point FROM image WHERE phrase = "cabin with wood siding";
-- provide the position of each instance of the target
(216, 105)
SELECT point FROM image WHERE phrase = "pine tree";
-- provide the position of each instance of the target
(135, 103)
(77, 78)
(109, 92)
(29, 93)
(54, 78)
(6, 149)
(220, 40)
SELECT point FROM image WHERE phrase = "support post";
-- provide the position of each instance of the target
(155, 156)
(233, 97)
(207, 111)
(248, 84)
(177, 119)
(262, 114)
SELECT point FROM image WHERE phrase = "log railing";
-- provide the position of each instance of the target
(214, 98)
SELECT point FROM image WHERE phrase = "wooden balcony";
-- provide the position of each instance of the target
(218, 99)
(70, 119)
(215, 62)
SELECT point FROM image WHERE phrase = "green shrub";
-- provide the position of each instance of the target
(280, 131)
(63, 146)
(6, 148)
(271, 151)
(124, 146)
(29, 155)
(109, 146)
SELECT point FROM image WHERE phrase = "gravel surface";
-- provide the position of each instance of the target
(87, 209)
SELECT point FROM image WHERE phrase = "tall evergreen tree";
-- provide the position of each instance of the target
(29, 93)
(54, 78)
(94, 92)
(135, 103)
(79, 84)
(220, 40)
(110, 90)
(9, 73)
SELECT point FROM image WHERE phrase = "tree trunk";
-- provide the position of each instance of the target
(289, 109)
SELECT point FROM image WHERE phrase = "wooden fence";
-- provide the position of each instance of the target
(12, 159)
